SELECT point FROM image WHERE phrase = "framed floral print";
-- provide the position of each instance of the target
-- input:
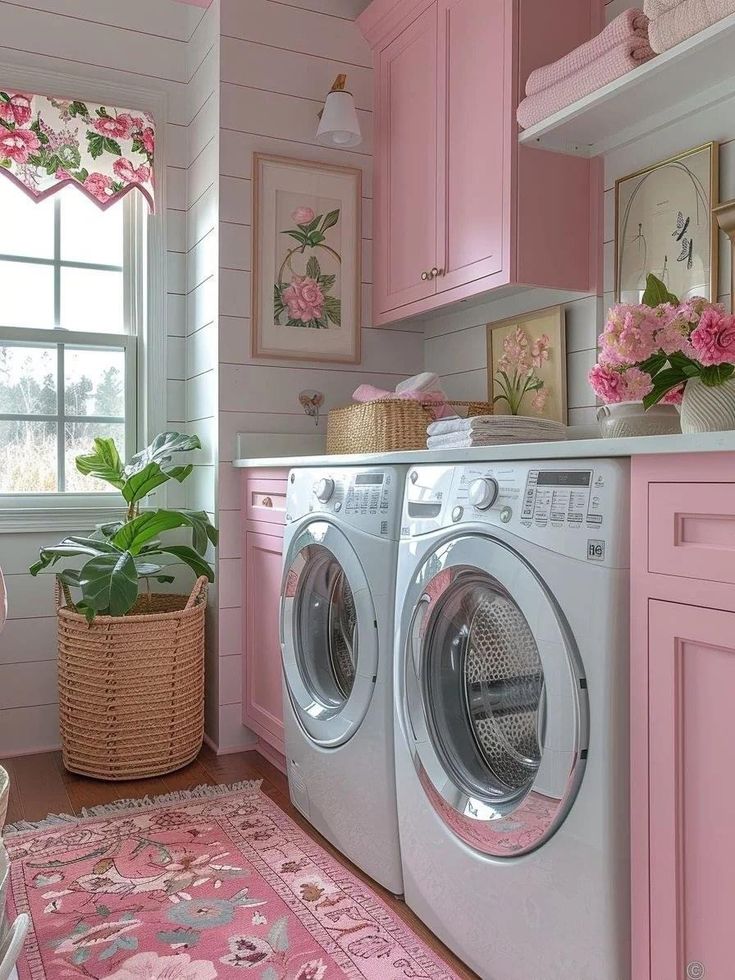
(306, 260)
(664, 225)
(527, 365)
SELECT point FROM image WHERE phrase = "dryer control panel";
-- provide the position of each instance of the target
(574, 507)
(367, 498)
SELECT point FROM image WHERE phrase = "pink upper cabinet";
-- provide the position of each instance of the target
(454, 193)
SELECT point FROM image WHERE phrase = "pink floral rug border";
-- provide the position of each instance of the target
(312, 918)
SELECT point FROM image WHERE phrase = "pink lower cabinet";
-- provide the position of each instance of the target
(264, 496)
(683, 717)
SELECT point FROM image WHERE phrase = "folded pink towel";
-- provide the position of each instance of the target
(620, 60)
(686, 19)
(629, 24)
(436, 401)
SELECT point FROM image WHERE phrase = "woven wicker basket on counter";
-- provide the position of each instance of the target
(387, 424)
(131, 688)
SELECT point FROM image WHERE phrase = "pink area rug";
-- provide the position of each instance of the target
(214, 883)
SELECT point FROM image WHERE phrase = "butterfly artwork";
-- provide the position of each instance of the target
(682, 225)
(687, 252)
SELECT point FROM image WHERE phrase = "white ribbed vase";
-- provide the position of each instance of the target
(708, 409)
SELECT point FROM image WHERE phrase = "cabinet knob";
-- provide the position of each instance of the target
(436, 272)
(267, 502)
(425, 276)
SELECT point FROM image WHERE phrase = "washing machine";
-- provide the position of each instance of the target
(511, 720)
(337, 603)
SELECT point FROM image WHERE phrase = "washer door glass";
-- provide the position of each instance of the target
(328, 634)
(494, 697)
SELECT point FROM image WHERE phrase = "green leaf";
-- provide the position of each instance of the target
(330, 219)
(71, 547)
(333, 309)
(664, 382)
(78, 109)
(657, 293)
(103, 464)
(278, 306)
(189, 557)
(133, 535)
(278, 935)
(111, 146)
(144, 482)
(716, 374)
(110, 582)
(316, 238)
(326, 282)
(95, 144)
(313, 269)
(300, 237)
(161, 450)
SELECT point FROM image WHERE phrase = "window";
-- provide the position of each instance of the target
(70, 305)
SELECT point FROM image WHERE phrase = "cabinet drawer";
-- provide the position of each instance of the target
(265, 500)
(691, 530)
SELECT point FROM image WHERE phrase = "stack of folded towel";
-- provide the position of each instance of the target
(672, 21)
(622, 46)
(491, 430)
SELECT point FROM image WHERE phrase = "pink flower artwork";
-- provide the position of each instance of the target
(304, 298)
(303, 215)
(99, 186)
(18, 144)
(17, 109)
(151, 966)
(148, 140)
(129, 173)
(116, 127)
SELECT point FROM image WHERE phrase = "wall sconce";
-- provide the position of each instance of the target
(338, 122)
(725, 214)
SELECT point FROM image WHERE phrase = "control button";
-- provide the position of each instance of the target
(594, 518)
(337, 507)
(483, 493)
(324, 489)
(414, 476)
(505, 515)
(457, 513)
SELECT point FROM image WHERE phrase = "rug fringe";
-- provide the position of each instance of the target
(56, 820)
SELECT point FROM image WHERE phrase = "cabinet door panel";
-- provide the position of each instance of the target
(692, 793)
(406, 179)
(474, 167)
(263, 702)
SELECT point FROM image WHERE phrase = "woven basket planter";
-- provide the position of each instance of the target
(387, 424)
(131, 688)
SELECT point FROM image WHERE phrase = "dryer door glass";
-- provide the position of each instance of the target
(484, 689)
(329, 634)
(326, 628)
(493, 696)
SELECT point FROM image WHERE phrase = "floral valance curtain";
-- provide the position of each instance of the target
(47, 143)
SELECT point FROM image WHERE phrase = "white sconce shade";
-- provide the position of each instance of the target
(339, 125)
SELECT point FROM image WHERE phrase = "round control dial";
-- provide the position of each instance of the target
(483, 493)
(324, 489)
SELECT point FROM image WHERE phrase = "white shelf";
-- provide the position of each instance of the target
(678, 83)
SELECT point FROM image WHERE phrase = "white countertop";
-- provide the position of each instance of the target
(706, 442)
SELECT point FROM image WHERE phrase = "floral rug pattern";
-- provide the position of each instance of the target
(210, 886)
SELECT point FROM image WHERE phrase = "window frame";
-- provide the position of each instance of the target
(67, 512)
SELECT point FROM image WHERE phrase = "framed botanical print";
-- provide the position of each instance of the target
(664, 225)
(527, 365)
(306, 260)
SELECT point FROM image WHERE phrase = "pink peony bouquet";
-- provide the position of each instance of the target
(649, 352)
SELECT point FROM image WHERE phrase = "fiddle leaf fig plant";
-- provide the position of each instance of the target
(118, 555)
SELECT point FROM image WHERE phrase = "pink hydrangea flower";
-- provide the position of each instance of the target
(673, 397)
(636, 385)
(607, 383)
(540, 351)
(304, 298)
(303, 215)
(130, 174)
(692, 309)
(18, 144)
(17, 110)
(117, 127)
(629, 335)
(713, 339)
(99, 186)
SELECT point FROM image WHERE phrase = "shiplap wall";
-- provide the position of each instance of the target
(277, 63)
(456, 342)
(137, 44)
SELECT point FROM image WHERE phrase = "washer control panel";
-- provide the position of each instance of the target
(576, 507)
(368, 498)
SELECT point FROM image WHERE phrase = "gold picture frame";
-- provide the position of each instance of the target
(664, 225)
(306, 233)
(552, 371)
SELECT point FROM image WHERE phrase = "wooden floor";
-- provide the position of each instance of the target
(40, 785)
